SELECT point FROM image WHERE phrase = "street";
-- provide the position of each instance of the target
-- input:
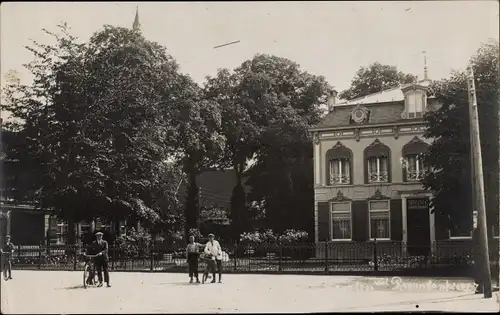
(62, 292)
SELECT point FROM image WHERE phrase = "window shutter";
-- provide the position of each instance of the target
(359, 215)
(323, 221)
(396, 219)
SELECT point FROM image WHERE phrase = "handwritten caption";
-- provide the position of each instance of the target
(401, 284)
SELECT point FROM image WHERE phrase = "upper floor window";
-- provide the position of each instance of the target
(339, 166)
(415, 169)
(341, 220)
(377, 157)
(339, 171)
(413, 166)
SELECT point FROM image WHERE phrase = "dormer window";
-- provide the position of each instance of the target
(415, 101)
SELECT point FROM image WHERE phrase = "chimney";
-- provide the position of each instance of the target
(332, 100)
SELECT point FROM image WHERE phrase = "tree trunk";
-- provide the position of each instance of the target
(71, 236)
(239, 215)
(192, 203)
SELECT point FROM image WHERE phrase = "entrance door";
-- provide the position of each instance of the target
(418, 227)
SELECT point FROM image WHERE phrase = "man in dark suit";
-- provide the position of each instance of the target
(101, 261)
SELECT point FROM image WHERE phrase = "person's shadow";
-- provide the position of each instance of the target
(74, 287)
(180, 283)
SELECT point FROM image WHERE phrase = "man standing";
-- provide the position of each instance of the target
(213, 248)
(101, 261)
(193, 252)
(7, 252)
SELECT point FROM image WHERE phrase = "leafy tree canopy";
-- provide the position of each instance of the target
(96, 124)
(375, 78)
(449, 153)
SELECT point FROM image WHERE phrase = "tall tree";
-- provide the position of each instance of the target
(199, 142)
(95, 124)
(449, 154)
(267, 105)
(375, 78)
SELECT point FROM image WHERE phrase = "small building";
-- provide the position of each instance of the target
(367, 172)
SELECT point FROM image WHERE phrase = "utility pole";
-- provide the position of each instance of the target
(478, 184)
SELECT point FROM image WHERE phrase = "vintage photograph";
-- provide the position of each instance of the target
(249, 157)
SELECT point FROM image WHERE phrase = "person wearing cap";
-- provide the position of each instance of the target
(101, 261)
(7, 252)
(213, 248)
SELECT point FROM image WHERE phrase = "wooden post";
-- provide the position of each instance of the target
(151, 256)
(235, 250)
(326, 257)
(479, 188)
(375, 258)
(40, 249)
(280, 261)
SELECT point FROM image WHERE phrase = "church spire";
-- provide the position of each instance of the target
(426, 75)
(136, 26)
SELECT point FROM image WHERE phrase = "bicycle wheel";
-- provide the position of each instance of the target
(86, 271)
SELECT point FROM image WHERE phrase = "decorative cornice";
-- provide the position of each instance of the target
(378, 196)
(395, 130)
(357, 134)
(340, 197)
(316, 138)
(416, 140)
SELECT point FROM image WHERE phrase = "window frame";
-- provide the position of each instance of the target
(380, 211)
(331, 220)
(378, 169)
(418, 161)
(349, 168)
(418, 101)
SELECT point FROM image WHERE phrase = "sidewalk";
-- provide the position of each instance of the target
(61, 292)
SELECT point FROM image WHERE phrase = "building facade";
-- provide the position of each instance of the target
(367, 172)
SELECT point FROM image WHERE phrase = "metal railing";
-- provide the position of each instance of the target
(349, 257)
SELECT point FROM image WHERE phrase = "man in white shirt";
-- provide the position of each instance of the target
(213, 248)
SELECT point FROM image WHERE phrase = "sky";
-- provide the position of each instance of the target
(332, 39)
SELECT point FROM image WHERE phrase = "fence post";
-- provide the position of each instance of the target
(280, 259)
(151, 256)
(113, 252)
(375, 258)
(75, 249)
(326, 256)
(235, 250)
(40, 255)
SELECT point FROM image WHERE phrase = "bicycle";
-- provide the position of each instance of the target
(89, 273)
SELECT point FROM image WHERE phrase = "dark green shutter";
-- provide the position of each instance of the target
(360, 221)
(396, 219)
(323, 221)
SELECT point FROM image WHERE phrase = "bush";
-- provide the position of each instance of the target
(136, 244)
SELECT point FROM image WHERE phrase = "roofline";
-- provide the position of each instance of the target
(401, 123)
(380, 92)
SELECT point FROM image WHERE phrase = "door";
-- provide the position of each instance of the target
(418, 227)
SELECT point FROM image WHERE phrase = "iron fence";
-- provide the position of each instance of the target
(322, 258)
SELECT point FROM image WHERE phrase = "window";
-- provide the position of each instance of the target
(340, 171)
(378, 169)
(380, 219)
(415, 169)
(338, 165)
(416, 103)
(62, 231)
(341, 221)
